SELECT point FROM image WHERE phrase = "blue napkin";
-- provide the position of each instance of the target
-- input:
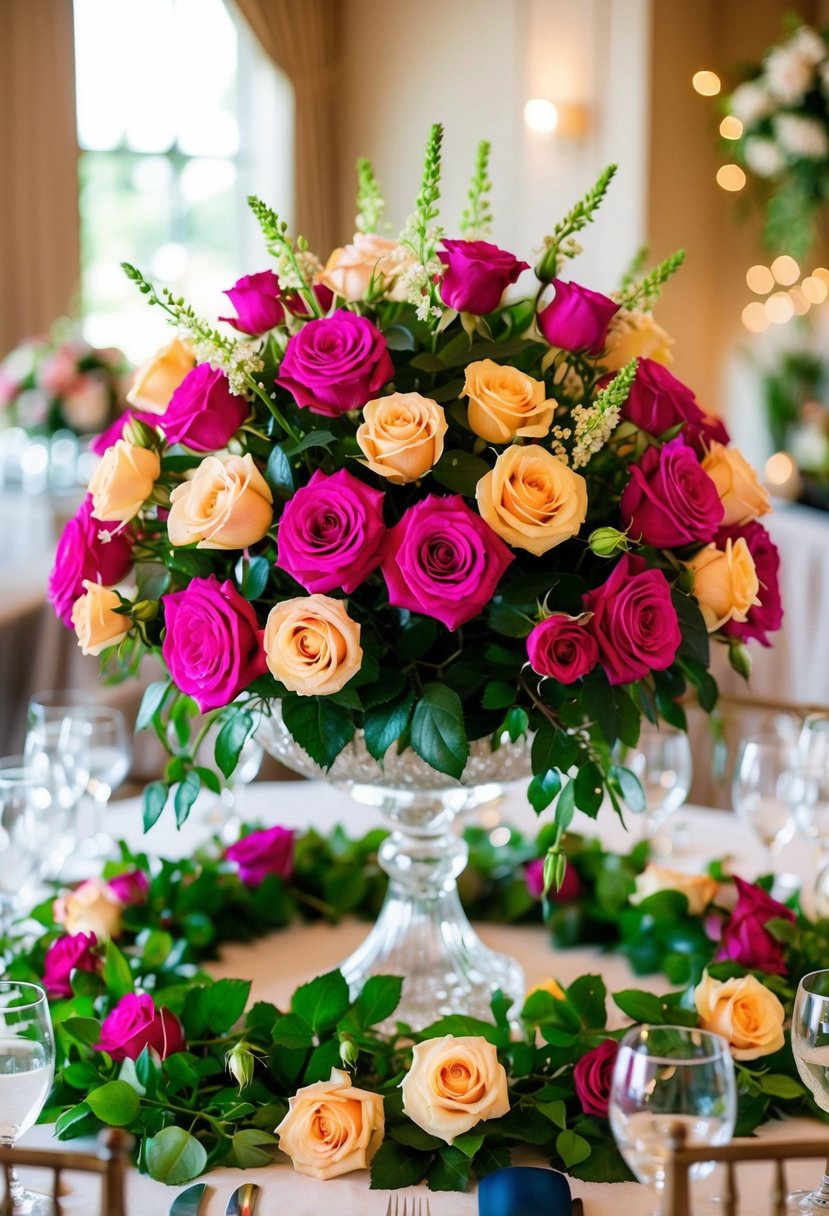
(524, 1190)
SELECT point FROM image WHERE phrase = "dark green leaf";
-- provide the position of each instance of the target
(460, 472)
(279, 474)
(508, 620)
(215, 1008)
(252, 576)
(378, 1000)
(115, 1103)
(450, 1171)
(322, 1002)
(85, 1031)
(320, 728)
(587, 995)
(117, 973)
(695, 641)
(75, 1121)
(629, 788)
(589, 789)
(398, 337)
(383, 725)
(438, 732)
(543, 789)
(572, 1148)
(186, 794)
(253, 1148)
(292, 1031)
(231, 739)
(640, 1006)
(155, 799)
(314, 439)
(174, 1156)
(395, 1165)
(498, 695)
(154, 697)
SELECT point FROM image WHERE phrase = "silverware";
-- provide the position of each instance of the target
(188, 1202)
(420, 1207)
(243, 1200)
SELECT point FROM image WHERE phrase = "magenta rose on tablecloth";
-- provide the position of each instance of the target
(213, 644)
(72, 952)
(670, 500)
(592, 1077)
(331, 532)
(203, 413)
(257, 299)
(263, 853)
(476, 276)
(570, 889)
(441, 559)
(335, 364)
(634, 622)
(577, 318)
(745, 938)
(563, 648)
(82, 555)
(136, 1023)
(767, 616)
(130, 888)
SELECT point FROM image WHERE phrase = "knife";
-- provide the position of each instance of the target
(188, 1202)
(243, 1200)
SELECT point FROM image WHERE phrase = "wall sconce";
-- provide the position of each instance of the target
(564, 119)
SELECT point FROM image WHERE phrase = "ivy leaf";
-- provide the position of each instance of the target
(383, 725)
(320, 728)
(115, 1103)
(231, 739)
(438, 731)
(174, 1156)
(322, 1002)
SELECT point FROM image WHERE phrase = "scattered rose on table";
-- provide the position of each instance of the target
(453, 1084)
(746, 1013)
(136, 1023)
(331, 1127)
(592, 1076)
(745, 938)
(72, 952)
(263, 853)
(698, 889)
(93, 907)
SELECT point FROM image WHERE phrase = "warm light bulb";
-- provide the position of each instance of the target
(786, 270)
(731, 127)
(731, 177)
(541, 115)
(800, 302)
(706, 83)
(779, 308)
(760, 279)
(814, 289)
(820, 272)
(755, 317)
(782, 476)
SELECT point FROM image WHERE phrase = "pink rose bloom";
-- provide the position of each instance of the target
(578, 318)
(263, 853)
(592, 1077)
(258, 304)
(441, 559)
(213, 643)
(130, 888)
(569, 890)
(203, 413)
(563, 648)
(331, 533)
(335, 364)
(134, 1024)
(745, 938)
(81, 555)
(72, 952)
(477, 275)
(670, 500)
(767, 616)
(634, 621)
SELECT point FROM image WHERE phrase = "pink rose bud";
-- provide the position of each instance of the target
(477, 275)
(563, 648)
(134, 1024)
(263, 853)
(203, 413)
(592, 1077)
(258, 304)
(130, 888)
(578, 318)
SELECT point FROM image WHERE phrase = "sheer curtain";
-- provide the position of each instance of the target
(303, 38)
(39, 238)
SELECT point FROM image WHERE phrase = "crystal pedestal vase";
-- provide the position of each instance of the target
(422, 932)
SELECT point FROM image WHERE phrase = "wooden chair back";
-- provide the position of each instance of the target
(109, 1162)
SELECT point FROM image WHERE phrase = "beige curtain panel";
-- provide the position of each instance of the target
(39, 240)
(302, 38)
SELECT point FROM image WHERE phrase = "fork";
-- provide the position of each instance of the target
(420, 1207)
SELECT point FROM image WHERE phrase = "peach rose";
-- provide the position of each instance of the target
(746, 1013)
(123, 480)
(331, 1128)
(226, 504)
(156, 380)
(635, 335)
(531, 499)
(401, 436)
(742, 496)
(453, 1084)
(699, 889)
(725, 582)
(92, 907)
(370, 261)
(95, 620)
(312, 645)
(504, 402)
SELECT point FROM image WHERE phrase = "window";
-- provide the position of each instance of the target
(180, 117)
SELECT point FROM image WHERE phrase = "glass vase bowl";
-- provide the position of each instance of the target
(422, 932)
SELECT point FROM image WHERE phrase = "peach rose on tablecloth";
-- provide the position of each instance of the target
(699, 889)
(312, 645)
(123, 480)
(505, 402)
(746, 1013)
(95, 620)
(331, 1127)
(93, 907)
(532, 500)
(370, 261)
(156, 380)
(742, 496)
(401, 436)
(226, 504)
(725, 582)
(453, 1084)
(635, 335)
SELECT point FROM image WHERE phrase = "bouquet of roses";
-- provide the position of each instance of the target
(407, 504)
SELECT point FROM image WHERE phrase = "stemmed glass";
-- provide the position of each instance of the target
(662, 762)
(109, 755)
(56, 747)
(23, 836)
(664, 1076)
(27, 1066)
(768, 786)
(813, 814)
(810, 1048)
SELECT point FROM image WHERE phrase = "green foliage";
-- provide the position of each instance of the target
(645, 293)
(476, 218)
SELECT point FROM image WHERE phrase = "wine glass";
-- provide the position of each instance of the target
(109, 756)
(664, 1076)
(768, 786)
(27, 1066)
(810, 1048)
(22, 833)
(662, 762)
(56, 748)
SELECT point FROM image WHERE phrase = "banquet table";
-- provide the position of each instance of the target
(277, 964)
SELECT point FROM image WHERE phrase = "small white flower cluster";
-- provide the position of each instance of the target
(557, 436)
(594, 426)
(790, 68)
(308, 263)
(801, 137)
(415, 287)
(751, 103)
(763, 156)
(239, 362)
(285, 268)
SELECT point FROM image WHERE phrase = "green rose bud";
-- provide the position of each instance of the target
(740, 659)
(144, 610)
(141, 435)
(547, 267)
(604, 542)
(239, 1062)
(349, 1052)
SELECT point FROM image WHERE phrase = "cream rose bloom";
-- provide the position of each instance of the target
(331, 1128)
(744, 1012)
(91, 908)
(156, 380)
(635, 335)
(95, 620)
(532, 500)
(699, 889)
(453, 1084)
(725, 582)
(505, 402)
(742, 496)
(123, 480)
(369, 261)
(312, 645)
(401, 436)
(226, 504)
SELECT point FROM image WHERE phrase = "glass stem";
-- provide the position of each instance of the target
(17, 1192)
(821, 1195)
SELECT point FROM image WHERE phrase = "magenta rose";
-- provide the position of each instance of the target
(130, 888)
(331, 533)
(441, 559)
(592, 1077)
(134, 1024)
(658, 401)
(578, 318)
(477, 275)
(335, 364)
(670, 500)
(263, 853)
(745, 938)
(767, 616)
(563, 648)
(72, 952)
(213, 643)
(82, 555)
(258, 303)
(569, 890)
(634, 621)
(203, 413)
